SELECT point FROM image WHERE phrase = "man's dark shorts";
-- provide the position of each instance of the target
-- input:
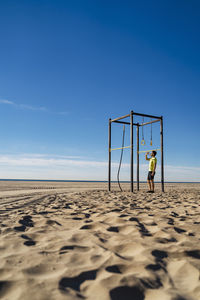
(150, 176)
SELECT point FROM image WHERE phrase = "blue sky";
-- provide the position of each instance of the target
(68, 66)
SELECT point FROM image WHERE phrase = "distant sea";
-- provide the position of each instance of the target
(46, 180)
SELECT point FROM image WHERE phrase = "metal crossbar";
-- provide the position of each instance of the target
(147, 123)
(148, 116)
(120, 148)
(120, 118)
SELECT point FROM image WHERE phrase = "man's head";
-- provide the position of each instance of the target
(153, 153)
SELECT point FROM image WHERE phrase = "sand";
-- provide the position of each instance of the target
(78, 241)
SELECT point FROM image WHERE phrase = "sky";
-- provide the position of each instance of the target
(66, 67)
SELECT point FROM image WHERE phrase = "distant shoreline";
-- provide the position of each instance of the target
(103, 181)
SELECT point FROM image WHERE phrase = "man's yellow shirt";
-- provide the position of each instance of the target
(152, 162)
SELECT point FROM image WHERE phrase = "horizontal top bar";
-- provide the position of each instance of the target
(122, 122)
(120, 148)
(127, 123)
(123, 117)
(148, 116)
(147, 123)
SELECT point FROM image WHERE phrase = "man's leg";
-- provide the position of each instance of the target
(152, 185)
(149, 184)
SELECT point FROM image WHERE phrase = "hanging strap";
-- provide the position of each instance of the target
(142, 141)
(151, 142)
(120, 162)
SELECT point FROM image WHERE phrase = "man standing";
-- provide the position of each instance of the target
(152, 169)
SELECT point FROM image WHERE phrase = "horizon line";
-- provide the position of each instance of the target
(105, 181)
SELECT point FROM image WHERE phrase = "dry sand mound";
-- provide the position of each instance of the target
(100, 245)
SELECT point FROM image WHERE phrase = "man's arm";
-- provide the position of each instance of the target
(146, 156)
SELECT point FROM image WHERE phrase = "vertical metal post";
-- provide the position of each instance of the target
(131, 144)
(162, 156)
(109, 155)
(138, 163)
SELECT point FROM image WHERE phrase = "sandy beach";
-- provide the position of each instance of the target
(77, 241)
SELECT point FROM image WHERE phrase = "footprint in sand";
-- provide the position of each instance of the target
(67, 206)
(29, 241)
(113, 229)
(75, 282)
(154, 267)
(4, 287)
(193, 253)
(166, 241)
(86, 227)
(173, 214)
(20, 228)
(159, 254)
(171, 221)
(123, 215)
(151, 283)
(179, 230)
(88, 221)
(127, 292)
(142, 229)
(26, 221)
(87, 215)
(65, 249)
(113, 269)
(94, 226)
(53, 222)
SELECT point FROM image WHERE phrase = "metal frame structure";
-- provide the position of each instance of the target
(131, 123)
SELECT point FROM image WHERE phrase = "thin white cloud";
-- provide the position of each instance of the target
(30, 107)
(48, 166)
(47, 155)
(42, 161)
(4, 101)
(22, 106)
